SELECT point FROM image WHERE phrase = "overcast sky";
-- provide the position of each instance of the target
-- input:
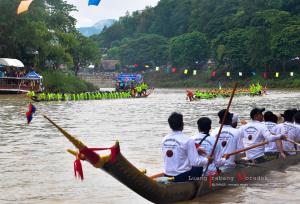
(107, 9)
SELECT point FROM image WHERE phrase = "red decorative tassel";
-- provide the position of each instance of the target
(78, 172)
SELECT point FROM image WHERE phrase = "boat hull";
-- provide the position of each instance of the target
(155, 192)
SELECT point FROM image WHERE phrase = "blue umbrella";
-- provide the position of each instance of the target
(94, 2)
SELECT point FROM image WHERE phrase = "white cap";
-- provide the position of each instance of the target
(235, 118)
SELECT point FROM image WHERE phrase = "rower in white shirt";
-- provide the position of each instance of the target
(204, 140)
(256, 132)
(288, 128)
(180, 153)
(228, 141)
(272, 148)
(297, 124)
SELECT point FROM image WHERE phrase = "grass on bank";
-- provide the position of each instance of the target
(178, 80)
(59, 82)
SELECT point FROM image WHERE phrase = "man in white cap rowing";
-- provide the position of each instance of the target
(256, 132)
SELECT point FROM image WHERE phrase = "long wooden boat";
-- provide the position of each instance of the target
(79, 97)
(120, 168)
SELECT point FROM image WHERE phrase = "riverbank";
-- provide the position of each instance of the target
(59, 82)
(178, 80)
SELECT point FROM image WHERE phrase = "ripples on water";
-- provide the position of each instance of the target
(35, 168)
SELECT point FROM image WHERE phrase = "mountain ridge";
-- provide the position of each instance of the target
(96, 28)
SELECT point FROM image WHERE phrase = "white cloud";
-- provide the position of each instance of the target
(88, 15)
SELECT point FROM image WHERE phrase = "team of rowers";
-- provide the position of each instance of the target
(254, 89)
(79, 96)
(190, 157)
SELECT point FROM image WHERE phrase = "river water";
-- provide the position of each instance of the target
(35, 168)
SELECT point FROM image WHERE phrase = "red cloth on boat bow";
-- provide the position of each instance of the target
(93, 158)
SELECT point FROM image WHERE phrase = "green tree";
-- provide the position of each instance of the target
(146, 48)
(285, 44)
(187, 49)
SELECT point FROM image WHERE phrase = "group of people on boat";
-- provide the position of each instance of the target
(136, 89)
(187, 158)
(253, 90)
(9, 72)
(79, 96)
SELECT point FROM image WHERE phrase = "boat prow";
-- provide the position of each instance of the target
(121, 169)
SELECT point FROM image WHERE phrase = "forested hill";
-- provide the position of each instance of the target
(44, 36)
(238, 34)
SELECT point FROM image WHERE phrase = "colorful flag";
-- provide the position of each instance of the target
(265, 75)
(213, 74)
(23, 6)
(30, 112)
(94, 2)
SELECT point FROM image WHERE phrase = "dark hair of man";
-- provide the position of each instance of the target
(297, 117)
(274, 118)
(204, 125)
(294, 111)
(176, 121)
(289, 115)
(228, 119)
(268, 116)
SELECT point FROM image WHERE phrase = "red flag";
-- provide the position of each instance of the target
(213, 74)
(265, 75)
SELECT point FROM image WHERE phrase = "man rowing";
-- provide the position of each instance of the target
(180, 153)
(254, 133)
(271, 149)
(204, 140)
(228, 141)
(297, 124)
(289, 129)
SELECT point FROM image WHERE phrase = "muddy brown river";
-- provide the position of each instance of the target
(35, 167)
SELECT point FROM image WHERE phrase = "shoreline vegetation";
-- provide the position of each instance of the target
(161, 80)
(59, 82)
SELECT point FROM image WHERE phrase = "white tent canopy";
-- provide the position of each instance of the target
(11, 62)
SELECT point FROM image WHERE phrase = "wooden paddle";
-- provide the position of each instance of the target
(223, 121)
(157, 175)
(218, 135)
(292, 141)
(245, 149)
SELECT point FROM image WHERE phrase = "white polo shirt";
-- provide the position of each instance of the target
(207, 145)
(290, 130)
(273, 128)
(253, 133)
(298, 132)
(180, 154)
(227, 143)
